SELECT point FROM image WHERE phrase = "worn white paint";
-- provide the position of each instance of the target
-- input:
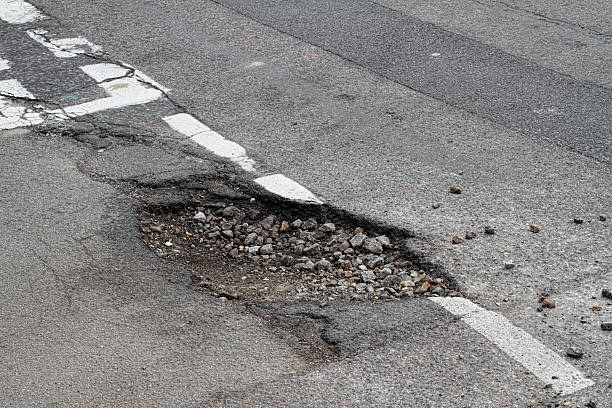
(146, 79)
(210, 140)
(11, 114)
(287, 188)
(544, 363)
(186, 124)
(255, 64)
(64, 47)
(123, 90)
(4, 64)
(12, 87)
(18, 12)
(105, 71)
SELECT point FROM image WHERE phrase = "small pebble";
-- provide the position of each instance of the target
(534, 228)
(456, 240)
(575, 352)
(606, 326)
(509, 265)
(328, 227)
(607, 293)
(578, 220)
(602, 218)
(470, 235)
(489, 230)
(435, 206)
(454, 190)
(548, 303)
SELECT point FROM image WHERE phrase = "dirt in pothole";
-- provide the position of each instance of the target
(251, 250)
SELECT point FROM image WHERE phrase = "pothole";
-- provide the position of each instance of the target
(262, 249)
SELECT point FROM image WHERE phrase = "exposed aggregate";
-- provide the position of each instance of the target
(242, 253)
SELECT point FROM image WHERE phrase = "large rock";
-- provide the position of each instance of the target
(368, 276)
(373, 246)
(358, 240)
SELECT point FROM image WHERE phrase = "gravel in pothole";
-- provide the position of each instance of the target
(246, 253)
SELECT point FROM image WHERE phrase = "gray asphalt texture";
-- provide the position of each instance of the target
(498, 86)
(91, 317)
(350, 103)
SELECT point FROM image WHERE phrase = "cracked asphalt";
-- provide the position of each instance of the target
(377, 108)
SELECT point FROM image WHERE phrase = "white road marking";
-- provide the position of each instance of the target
(4, 64)
(105, 71)
(186, 124)
(287, 188)
(65, 47)
(123, 91)
(210, 140)
(544, 363)
(201, 134)
(145, 78)
(13, 87)
(11, 115)
(18, 12)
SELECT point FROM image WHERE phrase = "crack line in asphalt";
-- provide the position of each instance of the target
(546, 18)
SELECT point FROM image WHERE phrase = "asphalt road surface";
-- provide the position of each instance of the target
(374, 107)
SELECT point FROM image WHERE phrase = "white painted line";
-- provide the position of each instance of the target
(210, 140)
(544, 363)
(147, 79)
(186, 124)
(13, 87)
(4, 64)
(18, 12)
(123, 92)
(65, 47)
(287, 188)
(105, 71)
(11, 115)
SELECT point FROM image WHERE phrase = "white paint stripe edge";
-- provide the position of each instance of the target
(210, 140)
(64, 47)
(201, 134)
(105, 71)
(4, 64)
(145, 78)
(12, 115)
(518, 344)
(13, 87)
(285, 187)
(127, 91)
(18, 12)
